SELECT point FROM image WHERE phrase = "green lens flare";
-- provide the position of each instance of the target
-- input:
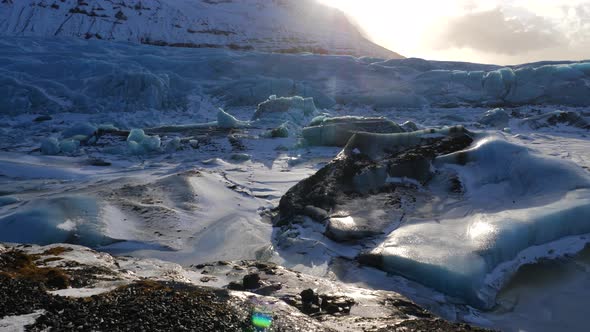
(261, 320)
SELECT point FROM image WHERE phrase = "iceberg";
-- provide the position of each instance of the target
(514, 200)
(173, 145)
(338, 130)
(50, 146)
(281, 131)
(139, 143)
(278, 110)
(497, 118)
(69, 146)
(228, 121)
(82, 130)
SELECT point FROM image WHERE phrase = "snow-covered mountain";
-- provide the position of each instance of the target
(288, 26)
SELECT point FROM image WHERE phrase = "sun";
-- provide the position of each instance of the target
(402, 26)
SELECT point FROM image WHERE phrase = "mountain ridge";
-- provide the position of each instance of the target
(283, 26)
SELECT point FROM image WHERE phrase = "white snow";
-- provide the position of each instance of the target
(18, 323)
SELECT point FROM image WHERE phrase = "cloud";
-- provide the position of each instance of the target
(577, 23)
(493, 31)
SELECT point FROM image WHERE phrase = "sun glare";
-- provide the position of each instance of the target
(400, 26)
(419, 28)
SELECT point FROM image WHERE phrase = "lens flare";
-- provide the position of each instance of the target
(261, 320)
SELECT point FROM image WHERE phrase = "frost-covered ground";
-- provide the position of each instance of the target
(200, 185)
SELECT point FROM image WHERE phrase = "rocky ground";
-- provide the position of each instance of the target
(72, 288)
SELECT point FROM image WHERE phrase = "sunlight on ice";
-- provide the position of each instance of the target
(480, 229)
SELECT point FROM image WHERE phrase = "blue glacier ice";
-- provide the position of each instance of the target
(119, 77)
(139, 143)
(517, 206)
(66, 219)
(50, 146)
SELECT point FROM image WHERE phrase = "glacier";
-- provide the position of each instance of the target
(159, 78)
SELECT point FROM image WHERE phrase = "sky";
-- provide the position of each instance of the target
(485, 31)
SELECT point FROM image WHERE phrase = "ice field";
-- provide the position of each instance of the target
(185, 155)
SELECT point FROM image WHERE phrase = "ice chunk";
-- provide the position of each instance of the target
(254, 91)
(225, 120)
(151, 143)
(50, 146)
(69, 146)
(337, 131)
(285, 109)
(344, 229)
(107, 127)
(375, 145)
(281, 131)
(240, 157)
(173, 145)
(140, 143)
(566, 118)
(136, 135)
(497, 118)
(84, 129)
(409, 126)
(194, 143)
(514, 200)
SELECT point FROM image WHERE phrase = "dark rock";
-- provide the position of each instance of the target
(98, 162)
(338, 181)
(569, 118)
(309, 296)
(43, 118)
(315, 213)
(251, 281)
(234, 285)
(409, 308)
(310, 308)
(416, 167)
(343, 230)
(269, 290)
(336, 304)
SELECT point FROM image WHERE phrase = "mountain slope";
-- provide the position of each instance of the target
(288, 26)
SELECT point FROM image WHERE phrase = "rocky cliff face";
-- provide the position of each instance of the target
(288, 26)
